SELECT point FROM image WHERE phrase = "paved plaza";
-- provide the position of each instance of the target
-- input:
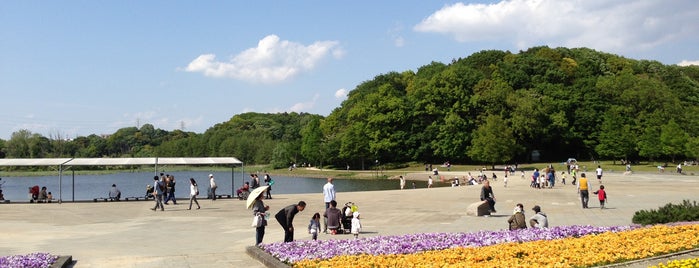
(129, 234)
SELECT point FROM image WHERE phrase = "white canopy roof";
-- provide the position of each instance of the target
(120, 161)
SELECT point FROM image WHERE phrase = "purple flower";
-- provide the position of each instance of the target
(33, 260)
(412, 243)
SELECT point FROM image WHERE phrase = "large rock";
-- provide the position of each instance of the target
(480, 208)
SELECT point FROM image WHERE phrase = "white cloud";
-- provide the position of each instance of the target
(304, 106)
(600, 24)
(689, 62)
(272, 61)
(341, 93)
(395, 35)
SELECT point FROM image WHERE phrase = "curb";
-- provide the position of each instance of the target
(62, 262)
(265, 258)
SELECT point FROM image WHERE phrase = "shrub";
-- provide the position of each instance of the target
(687, 211)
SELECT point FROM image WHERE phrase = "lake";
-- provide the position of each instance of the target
(133, 184)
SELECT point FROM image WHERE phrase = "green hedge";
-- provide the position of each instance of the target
(687, 211)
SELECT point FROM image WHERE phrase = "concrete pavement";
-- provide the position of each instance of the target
(129, 234)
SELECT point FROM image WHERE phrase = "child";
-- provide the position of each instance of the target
(601, 195)
(314, 226)
(563, 177)
(505, 180)
(356, 225)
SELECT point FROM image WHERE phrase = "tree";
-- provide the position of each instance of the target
(673, 140)
(616, 139)
(493, 142)
(311, 141)
(18, 144)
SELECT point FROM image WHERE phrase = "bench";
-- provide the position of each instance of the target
(480, 208)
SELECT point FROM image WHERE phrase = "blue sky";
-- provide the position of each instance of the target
(74, 68)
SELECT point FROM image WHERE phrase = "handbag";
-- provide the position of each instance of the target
(257, 221)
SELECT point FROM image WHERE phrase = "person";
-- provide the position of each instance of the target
(285, 217)
(495, 177)
(314, 226)
(583, 188)
(598, 171)
(504, 180)
(49, 197)
(158, 193)
(193, 192)
(259, 209)
(43, 195)
(332, 217)
(356, 224)
(429, 182)
(243, 189)
(414, 186)
(517, 220)
(563, 177)
(679, 168)
(328, 196)
(212, 184)
(170, 190)
(539, 220)
(573, 173)
(535, 178)
(255, 180)
(149, 191)
(402, 183)
(269, 182)
(601, 195)
(114, 193)
(488, 195)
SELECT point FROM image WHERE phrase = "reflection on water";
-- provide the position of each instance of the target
(88, 187)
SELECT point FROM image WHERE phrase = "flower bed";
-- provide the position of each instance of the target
(33, 260)
(686, 263)
(562, 246)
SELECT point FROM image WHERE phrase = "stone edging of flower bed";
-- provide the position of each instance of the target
(265, 258)
(62, 262)
(651, 259)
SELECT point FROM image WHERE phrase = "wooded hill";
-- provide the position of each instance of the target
(490, 107)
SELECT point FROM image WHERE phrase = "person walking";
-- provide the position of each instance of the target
(583, 189)
(598, 171)
(212, 184)
(171, 190)
(259, 209)
(193, 192)
(488, 195)
(517, 220)
(158, 192)
(269, 182)
(402, 183)
(285, 217)
(601, 195)
(328, 195)
(314, 226)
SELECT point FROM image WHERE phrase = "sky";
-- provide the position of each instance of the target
(75, 68)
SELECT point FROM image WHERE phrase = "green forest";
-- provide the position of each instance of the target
(490, 107)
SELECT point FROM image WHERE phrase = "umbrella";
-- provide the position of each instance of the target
(254, 194)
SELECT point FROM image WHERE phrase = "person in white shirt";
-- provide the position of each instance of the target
(539, 220)
(599, 174)
(212, 184)
(328, 195)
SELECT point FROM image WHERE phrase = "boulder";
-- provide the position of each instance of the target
(480, 208)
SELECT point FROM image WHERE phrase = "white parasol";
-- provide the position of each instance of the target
(254, 194)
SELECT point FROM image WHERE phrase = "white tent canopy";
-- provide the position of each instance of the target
(154, 161)
(121, 161)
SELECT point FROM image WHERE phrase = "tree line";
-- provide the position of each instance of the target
(490, 107)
